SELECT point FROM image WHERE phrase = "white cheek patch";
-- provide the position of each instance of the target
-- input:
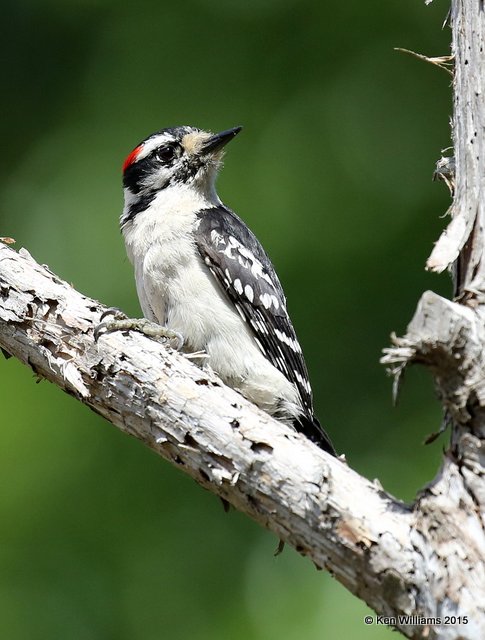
(157, 179)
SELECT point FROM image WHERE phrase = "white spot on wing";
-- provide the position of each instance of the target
(244, 257)
(303, 381)
(238, 286)
(216, 237)
(243, 251)
(241, 312)
(259, 325)
(248, 290)
(281, 363)
(258, 272)
(288, 340)
(232, 244)
(262, 327)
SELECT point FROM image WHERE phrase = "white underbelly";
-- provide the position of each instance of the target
(185, 297)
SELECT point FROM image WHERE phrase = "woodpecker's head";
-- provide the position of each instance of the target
(178, 156)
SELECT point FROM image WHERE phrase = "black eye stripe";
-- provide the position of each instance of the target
(169, 155)
(136, 173)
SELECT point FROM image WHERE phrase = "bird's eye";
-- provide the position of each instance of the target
(166, 153)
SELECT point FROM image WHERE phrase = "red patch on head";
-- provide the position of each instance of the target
(132, 157)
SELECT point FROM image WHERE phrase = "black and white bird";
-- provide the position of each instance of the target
(202, 274)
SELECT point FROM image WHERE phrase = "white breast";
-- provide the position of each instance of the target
(158, 243)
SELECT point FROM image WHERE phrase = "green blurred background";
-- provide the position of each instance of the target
(99, 538)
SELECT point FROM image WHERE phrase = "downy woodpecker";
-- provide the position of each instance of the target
(202, 275)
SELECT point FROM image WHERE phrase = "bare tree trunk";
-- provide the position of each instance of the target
(424, 562)
(449, 337)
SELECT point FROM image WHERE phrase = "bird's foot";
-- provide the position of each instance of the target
(119, 322)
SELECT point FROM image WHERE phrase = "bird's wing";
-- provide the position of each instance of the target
(241, 267)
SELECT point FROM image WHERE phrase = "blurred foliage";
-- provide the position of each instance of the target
(100, 539)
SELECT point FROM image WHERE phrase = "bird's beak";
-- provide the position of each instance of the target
(219, 140)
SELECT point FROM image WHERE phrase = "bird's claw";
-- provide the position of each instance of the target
(112, 311)
(106, 326)
(150, 329)
(160, 333)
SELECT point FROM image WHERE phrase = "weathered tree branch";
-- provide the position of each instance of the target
(315, 503)
(375, 545)
(278, 477)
